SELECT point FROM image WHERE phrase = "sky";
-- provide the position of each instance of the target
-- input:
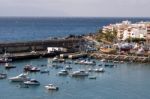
(75, 8)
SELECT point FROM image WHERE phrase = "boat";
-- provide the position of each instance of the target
(99, 70)
(90, 70)
(5, 60)
(51, 87)
(57, 60)
(9, 66)
(19, 78)
(92, 77)
(68, 67)
(85, 62)
(63, 73)
(115, 61)
(57, 66)
(100, 65)
(34, 69)
(106, 65)
(3, 75)
(32, 82)
(44, 71)
(80, 73)
(103, 60)
(31, 68)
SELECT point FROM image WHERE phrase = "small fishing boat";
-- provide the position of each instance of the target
(90, 70)
(3, 75)
(63, 73)
(32, 82)
(68, 67)
(51, 87)
(31, 68)
(9, 66)
(100, 65)
(99, 70)
(57, 60)
(103, 60)
(57, 66)
(85, 62)
(92, 77)
(44, 71)
(80, 73)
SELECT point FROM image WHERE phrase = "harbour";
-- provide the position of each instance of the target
(120, 81)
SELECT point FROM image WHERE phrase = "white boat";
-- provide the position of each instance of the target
(90, 70)
(9, 66)
(63, 72)
(57, 60)
(32, 82)
(90, 63)
(80, 73)
(115, 61)
(44, 71)
(85, 62)
(51, 87)
(3, 75)
(68, 67)
(99, 70)
(103, 60)
(19, 78)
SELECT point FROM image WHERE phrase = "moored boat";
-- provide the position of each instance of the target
(68, 67)
(32, 82)
(44, 71)
(51, 87)
(57, 60)
(85, 62)
(31, 68)
(92, 77)
(3, 75)
(9, 66)
(99, 70)
(63, 73)
(19, 78)
(80, 73)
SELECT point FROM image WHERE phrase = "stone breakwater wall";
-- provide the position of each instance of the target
(41, 45)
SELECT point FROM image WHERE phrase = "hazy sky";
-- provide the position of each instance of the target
(83, 8)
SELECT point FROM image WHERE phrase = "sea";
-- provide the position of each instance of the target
(123, 81)
(39, 28)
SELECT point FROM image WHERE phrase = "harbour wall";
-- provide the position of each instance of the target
(41, 45)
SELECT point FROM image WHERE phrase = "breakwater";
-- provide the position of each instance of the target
(134, 58)
(41, 45)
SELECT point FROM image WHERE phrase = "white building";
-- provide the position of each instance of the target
(134, 33)
(56, 49)
(127, 29)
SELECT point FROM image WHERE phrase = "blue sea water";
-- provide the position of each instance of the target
(18, 29)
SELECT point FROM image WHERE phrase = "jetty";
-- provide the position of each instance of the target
(35, 49)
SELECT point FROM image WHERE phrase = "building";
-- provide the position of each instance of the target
(148, 36)
(56, 49)
(126, 29)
